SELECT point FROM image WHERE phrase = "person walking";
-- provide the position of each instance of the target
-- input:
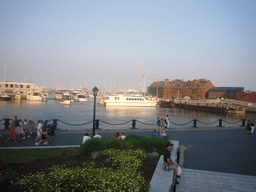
(86, 137)
(39, 131)
(44, 136)
(158, 124)
(12, 133)
(163, 125)
(252, 127)
(168, 122)
(248, 127)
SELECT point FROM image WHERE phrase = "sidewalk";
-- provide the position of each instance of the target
(203, 181)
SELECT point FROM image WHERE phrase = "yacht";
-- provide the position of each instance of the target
(34, 95)
(5, 97)
(80, 97)
(128, 101)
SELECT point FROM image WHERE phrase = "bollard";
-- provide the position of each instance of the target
(178, 155)
(220, 123)
(6, 123)
(243, 122)
(54, 125)
(133, 124)
(97, 123)
(194, 123)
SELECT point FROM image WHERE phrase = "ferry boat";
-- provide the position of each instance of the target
(128, 101)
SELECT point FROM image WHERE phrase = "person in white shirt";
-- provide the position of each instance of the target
(86, 137)
(97, 136)
(168, 122)
(39, 131)
(122, 136)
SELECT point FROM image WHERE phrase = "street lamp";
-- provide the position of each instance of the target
(95, 92)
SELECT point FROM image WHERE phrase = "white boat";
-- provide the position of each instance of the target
(5, 97)
(80, 97)
(65, 102)
(128, 101)
(34, 95)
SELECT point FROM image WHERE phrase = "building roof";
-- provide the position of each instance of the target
(227, 89)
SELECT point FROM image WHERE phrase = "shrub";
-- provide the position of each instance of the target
(89, 177)
(92, 145)
(159, 144)
(115, 144)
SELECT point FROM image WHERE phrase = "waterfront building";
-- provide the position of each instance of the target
(224, 92)
(248, 97)
(195, 89)
(12, 88)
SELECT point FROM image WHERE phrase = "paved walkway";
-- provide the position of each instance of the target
(198, 180)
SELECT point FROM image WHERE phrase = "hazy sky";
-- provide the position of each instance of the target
(73, 43)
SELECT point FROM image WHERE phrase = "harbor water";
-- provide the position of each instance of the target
(112, 118)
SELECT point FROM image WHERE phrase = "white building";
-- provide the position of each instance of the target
(11, 88)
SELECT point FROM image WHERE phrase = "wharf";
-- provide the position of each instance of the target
(223, 154)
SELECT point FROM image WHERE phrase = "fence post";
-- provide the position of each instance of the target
(133, 124)
(97, 123)
(54, 124)
(243, 122)
(6, 123)
(194, 123)
(220, 123)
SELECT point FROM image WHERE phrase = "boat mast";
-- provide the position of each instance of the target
(5, 72)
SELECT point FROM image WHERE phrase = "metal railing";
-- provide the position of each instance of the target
(133, 123)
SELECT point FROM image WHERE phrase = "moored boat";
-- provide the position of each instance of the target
(5, 97)
(128, 101)
(65, 102)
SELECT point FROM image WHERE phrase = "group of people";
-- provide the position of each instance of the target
(161, 126)
(20, 130)
(250, 127)
(117, 136)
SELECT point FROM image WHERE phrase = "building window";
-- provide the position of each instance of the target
(16, 85)
(21, 86)
(11, 85)
(28, 86)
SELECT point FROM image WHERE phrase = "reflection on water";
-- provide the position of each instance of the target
(82, 112)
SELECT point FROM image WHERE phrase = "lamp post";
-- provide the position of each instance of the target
(95, 92)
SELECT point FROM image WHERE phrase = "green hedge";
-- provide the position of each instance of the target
(124, 176)
(130, 142)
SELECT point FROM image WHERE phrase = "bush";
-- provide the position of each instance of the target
(89, 177)
(159, 144)
(92, 145)
(115, 144)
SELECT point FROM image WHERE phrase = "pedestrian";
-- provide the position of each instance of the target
(252, 127)
(158, 124)
(168, 162)
(168, 122)
(163, 134)
(39, 131)
(117, 135)
(248, 127)
(86, 137)
(43, 136)
(26, 129)
(123, 135)
(19, 130)
(163, 125)
(12, 133)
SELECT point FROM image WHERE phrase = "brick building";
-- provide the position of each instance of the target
(224, 92)
(248, 97)
(195, 89)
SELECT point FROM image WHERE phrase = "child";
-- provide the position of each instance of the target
(12, 134)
